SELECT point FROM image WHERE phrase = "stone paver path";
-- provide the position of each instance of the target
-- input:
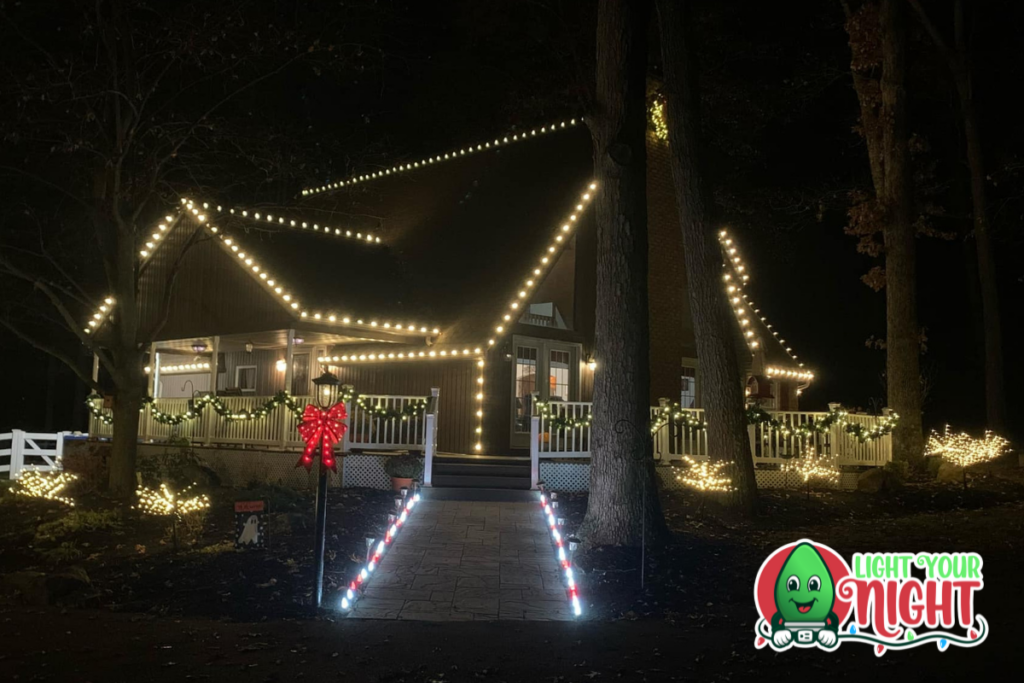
(468, 560)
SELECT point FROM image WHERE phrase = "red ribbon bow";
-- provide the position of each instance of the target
(327, 425)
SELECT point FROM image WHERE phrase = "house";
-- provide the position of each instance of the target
(466, 277)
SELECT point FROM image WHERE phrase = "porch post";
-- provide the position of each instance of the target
(534, 451)
(96, 367)
(289, 348)
(17, 453)
(208, 412)
(152, 368)
(430, 437)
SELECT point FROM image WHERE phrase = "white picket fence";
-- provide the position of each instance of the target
(676, 439)
(22, 451)
(366, 432)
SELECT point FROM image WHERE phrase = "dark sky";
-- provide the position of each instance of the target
(779, 112)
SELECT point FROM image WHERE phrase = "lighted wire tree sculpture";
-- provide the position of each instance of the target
(164, 502)
(812, 466)
(48, 486)
(964, 450)
(705, 476)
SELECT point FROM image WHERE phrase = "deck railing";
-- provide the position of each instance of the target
(677, 439)
(366, 432)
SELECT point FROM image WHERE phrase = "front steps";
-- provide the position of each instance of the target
(480, 477)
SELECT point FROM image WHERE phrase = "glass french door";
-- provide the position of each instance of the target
(543, 370)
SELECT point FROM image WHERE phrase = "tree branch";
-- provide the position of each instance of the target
(51, 350)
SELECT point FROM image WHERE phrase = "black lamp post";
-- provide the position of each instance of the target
(326, 396)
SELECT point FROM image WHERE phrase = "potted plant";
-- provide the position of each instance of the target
(403, 469)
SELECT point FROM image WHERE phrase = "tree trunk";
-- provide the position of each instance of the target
(995, 393)
(124, 446)
(623, 495)
(903, 344)
(722, 392)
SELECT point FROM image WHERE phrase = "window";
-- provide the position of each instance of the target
(546, 368)
(245, 378)
(558, 375)
(300, 374)
(525, 385)
(689, 396)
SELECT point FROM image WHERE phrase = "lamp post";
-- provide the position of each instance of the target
(326, 396)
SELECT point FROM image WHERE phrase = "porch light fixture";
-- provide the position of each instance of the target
(454, 154)
(591, 363)
(199, 347)
(281, 365)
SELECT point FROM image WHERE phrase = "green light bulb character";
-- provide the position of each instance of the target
(804, 597)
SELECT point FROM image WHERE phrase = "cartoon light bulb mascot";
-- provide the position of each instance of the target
(804, 596)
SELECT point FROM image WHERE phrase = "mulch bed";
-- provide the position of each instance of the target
(702, 572)
(132, 565)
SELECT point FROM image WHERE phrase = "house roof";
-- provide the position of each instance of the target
(457, 239)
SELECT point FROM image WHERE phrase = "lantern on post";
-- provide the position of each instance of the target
(322, 426)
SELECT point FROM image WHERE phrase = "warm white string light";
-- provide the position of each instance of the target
(432, 354)
(736, 278)
(181, 368)
(288, 299)
(551, 253)
(454, 154)
(299, 224)
(479, 446)
(963, 449)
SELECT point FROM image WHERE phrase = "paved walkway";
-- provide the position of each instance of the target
(468, 560)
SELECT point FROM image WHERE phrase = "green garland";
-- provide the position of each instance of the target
(414, 408)
(756, 415)
(561, 421)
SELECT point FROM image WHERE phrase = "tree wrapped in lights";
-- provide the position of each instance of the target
(48, 486)
(964, 450)
(814, 467)
(705, 476)
(180, 507)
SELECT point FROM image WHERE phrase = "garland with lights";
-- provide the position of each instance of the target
(414, 408)
(561, 421)
(755, 415)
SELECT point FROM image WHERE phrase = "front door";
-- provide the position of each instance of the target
(549, 370)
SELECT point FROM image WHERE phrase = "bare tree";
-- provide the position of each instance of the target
(109, 108)
(957, 56)
(723, 396)
(622, 464)
(878, 36)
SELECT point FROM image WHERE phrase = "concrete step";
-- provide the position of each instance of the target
(483, 494)
(480, 481)
(482, 459)
(480, 469)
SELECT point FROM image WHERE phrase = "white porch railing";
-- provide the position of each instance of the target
(20, 451)
(677, 439)
(366, 431)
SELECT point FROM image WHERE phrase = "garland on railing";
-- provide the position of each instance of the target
(756, 415)
(415, 408)
(561, 421)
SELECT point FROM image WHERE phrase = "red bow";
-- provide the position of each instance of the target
(320, 424)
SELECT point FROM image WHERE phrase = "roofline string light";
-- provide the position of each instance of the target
(356, 586)
(433, 354)
(550, 256)
(101, 315)
(358, 235)
(454, 154)
(743, 307)
(275, 287)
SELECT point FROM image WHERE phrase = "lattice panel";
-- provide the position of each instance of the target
(365, 470)
(667, 478)
(565, 476)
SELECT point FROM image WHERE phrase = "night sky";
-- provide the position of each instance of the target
(780, 113)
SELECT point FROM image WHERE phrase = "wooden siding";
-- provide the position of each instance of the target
(456, 379)
(212, 294)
